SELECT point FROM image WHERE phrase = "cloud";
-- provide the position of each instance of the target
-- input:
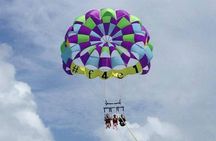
(152, 130)
(19, 120)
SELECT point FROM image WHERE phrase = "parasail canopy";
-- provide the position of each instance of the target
(106, 43)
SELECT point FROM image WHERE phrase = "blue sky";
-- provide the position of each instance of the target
(175, 101)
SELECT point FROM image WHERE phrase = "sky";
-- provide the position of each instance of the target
(175, 101)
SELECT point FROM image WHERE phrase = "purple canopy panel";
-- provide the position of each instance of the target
(119, 38)
(122, 13)
(125, 58)
(99, 49)
(139, 38)
(84, 45)
(73, 39)
(85, 57)
(66, 66)
(97, 30)
(127, 30)
(113, 21)
(111, 49)
(115, 30)
(145, 62)
(93, 38)
(96, 20)
(93, 13)
(127, 45)
(105, 62)
(106, 27)
(146, 71)
(84, 30)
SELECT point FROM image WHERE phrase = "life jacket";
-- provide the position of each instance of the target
(122, 121)
(107, 120)
(115, 120)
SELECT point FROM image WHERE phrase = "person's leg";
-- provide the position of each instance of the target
(114, 125)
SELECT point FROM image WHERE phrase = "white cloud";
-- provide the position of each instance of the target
(19, 120)
(152, 130)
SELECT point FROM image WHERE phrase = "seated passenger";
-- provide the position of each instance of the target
(122, 120)
(115, 121)
(107, 120)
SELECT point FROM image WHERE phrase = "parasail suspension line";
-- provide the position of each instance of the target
(131, 133)
(104, 90)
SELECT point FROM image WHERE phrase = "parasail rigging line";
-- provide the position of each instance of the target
(131, 133)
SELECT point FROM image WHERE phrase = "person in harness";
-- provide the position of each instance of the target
(115, 121)
(107, 120)
(122, 120)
